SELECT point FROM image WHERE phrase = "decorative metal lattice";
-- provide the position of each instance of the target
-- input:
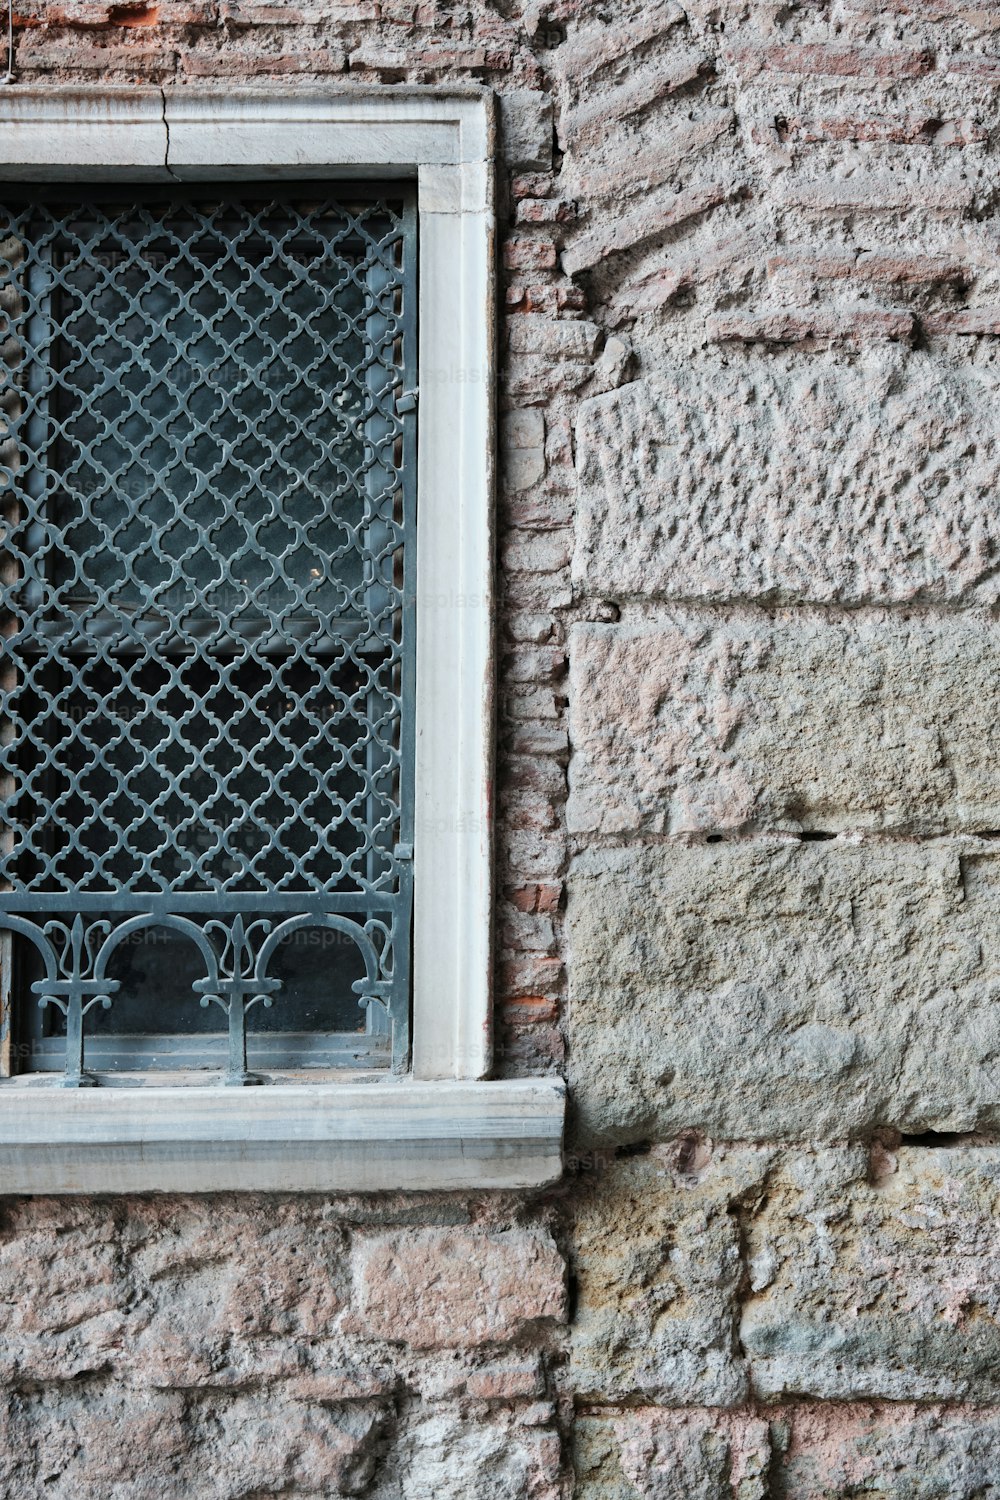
(207, 443)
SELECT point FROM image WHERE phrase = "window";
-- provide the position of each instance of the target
(208, 708)
(248, 645)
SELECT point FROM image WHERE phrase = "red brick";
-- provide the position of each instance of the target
(830, 61)
(550, 896)
(524, 897)
(970, 322)
(735, 259)
(141, 15)
(973, 65)
(531, 1050)
(814, 326)
(570, 298)
(914, 130)
(545, 211)
(591, 50)
(529, 1010)
(588, 123)
(86, 16)
(531, 974)
(529, 255)
(227, 64)
(616, 234)
(531, 185)
(535, 897)
(878, 195)
(550, 300)
(871, 266)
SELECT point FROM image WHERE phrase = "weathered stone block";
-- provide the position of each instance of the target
(801, 724)
(897, 1452)
(447, 1457)
(169, 1295)
(657, 1260)
(695, 1455)
(80, 1441)
(90, 1442)
(783, 990)
(788, 481)
(433, 1287)
(60, 1293)
(884, 1284)
(814, 1452)
(522, 438)
(526, 129)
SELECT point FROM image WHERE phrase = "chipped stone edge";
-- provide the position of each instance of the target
(397, 1135)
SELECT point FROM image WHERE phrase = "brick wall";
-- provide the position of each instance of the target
(747, 809)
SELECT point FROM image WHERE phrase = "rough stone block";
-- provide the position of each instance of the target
(448, 1457)
(784, 990)
(173, 1297)
(94, 1443)
(790, 480)
(699, 724)
(61, 1294)
(695, 1455)
(897, 1452)
(882, 1284)
(553, 338)
(657, 1261)
(817, 1452)
(522, 439)
(526, 129)
(430, 1288)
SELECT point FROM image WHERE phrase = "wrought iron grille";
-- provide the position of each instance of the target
(207, 442)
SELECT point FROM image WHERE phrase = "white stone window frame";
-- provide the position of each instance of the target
(444, 1125)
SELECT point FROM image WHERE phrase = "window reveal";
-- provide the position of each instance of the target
(207, 674)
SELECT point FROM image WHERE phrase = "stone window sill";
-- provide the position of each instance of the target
(394, 1134)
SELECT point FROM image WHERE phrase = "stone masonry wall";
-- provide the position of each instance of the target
(748, 802)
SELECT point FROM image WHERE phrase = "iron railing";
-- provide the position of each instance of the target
(207, 445)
